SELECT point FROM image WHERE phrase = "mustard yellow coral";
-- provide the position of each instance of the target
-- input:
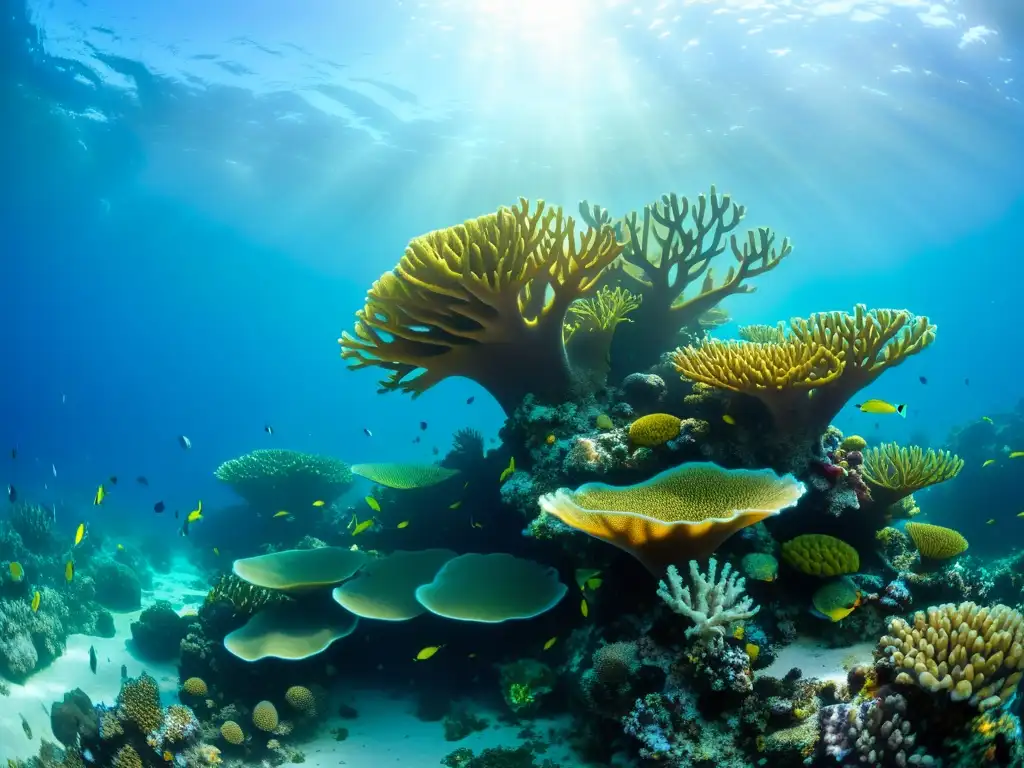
(972, 653)
(486, 300)
(818, 554)
(127, 757)
(893, 472)
(654, 429)
(835, 354)
(139, 702)
(195, 686)
(232, 732)
(590, 328)
(301, 698)
(935, 541)
(680, 514)
(264, 716)
(853, 443)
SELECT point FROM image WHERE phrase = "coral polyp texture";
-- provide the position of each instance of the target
(893, 472)
(964, 651)
(486, 300)
(654, 429)
(936, 541)
(682, 513)
(712, 602)
(818, 554)
(833, 354)
(273, 478)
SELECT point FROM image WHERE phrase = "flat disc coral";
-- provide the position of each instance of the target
(300, 569)
(404, 477)
(491, 589)
(386, 588)
(289, 631)
(680, 514)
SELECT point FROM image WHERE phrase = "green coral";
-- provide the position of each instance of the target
(524, 683)
(276, 479)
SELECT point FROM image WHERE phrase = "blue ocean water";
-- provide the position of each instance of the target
(196, 197)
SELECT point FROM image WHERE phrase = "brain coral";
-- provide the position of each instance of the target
(232, 732)
(195, 686)
(682, 513)
(935, 541)
(139, 703)
(301, 698)
(817, 554)
(654, 429)
(972, 653)
(264, 716)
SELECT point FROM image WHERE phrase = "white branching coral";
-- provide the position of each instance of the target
(714, 604)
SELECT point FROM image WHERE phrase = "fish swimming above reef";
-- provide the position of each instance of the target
(25, 726)
(92, 658)
(12, 493)
(184, 442)
(881, 407)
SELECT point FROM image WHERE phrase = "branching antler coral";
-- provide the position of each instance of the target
(893, 472)
(714, 604)
(486, 300)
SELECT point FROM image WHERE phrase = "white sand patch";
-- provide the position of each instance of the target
(815, 659)
(388, 733)
(72, 669)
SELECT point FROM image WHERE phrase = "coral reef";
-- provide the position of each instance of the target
(272, 479)
(715, 602)
(158, 633)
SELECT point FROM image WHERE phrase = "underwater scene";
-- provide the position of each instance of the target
(512, 383)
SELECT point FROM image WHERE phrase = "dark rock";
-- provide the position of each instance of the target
(158, 633)
(74, 717)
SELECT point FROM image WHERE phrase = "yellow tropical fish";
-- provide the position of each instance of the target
(17, 572)
(583, 575)
(403, 524)
(362, 527)
(881, 407)
(584, 608)
(987, 462)
(455, 505)
(69, 571)
(753, 651)
(550, 643)
(216, 551)
(738, 633)
(372, 503)
(508, 471)
(168, 756)
(282, 513)
(728, 419)
(1016, 454)
(990, 521)
(319, 503)
(79, 534)
(428, 652)
(37, 598)
(101, 494)
(986, 418)
(594, 583)
(196, 514)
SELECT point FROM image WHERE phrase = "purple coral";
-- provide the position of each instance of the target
(875, 732)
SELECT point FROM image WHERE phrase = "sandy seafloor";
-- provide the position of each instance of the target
(386, 732)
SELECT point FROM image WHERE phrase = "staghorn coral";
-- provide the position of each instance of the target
(714, 604)
(763, 334)
(486, 300)
(654, 429)
(683, 512)
(818, 554)
(935, 541)
(833, 354)
(893, 472)
(273, 478)
(971, 653)
(672, 248)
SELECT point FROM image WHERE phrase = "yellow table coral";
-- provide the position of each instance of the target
(680, 514)
(486, 300)
(893, 472)
(824, 360)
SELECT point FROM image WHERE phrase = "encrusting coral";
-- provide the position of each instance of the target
(832, 354)
(486, 300)
(893, 472)
(715, 603)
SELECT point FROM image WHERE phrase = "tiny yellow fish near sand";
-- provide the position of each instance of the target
(881, 407)
(362, 526)
(101, 494)
(508, 471)
(584, 608)
(319, 503)
(550, 643)
(79, 534)
(69, 571)
(728, 419)
(37, 598)
(372, 503)
(17, 572)
(403, 524)
(428, 652)
(988, 463)
(282, 513)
